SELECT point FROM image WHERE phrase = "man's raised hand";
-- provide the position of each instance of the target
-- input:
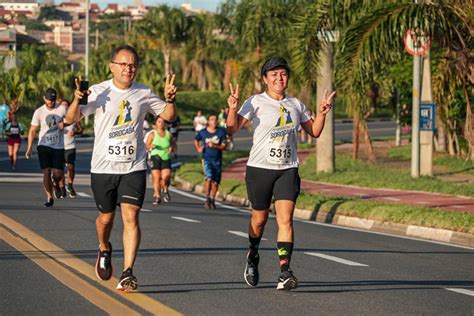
(233, 99)
(170, 89)
(326, 102)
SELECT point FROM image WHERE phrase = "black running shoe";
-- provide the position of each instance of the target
(287, 281)
(49, 203)
(156, 201)
(103, 265)
(128, 282)
(63, 192)
(70, 191)
(56, 192)
(166, 197)
(207, 204)
(251, 270)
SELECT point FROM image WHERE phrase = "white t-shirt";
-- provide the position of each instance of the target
(48, 120)
(118, 126)
(200, 122)
(69, 141)
(275, 137)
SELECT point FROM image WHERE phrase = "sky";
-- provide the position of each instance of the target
(210, 5)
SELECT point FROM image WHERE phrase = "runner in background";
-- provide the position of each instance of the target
(161, 144)
(13, 131)
(199, 122)
(48, 118)
(211, 142)
(173, 127)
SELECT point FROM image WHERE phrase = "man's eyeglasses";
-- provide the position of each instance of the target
(125, 65)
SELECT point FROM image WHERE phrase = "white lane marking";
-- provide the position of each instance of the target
(391, 198)
(336, 259)
(241, 234)
(82, 194)
(184, 219)
(385, 234)
(335, 226)
(147, 210)
(462, 291)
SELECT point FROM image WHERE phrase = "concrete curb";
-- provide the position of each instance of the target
(436, 234)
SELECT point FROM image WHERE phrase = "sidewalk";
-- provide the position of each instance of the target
(435, 200)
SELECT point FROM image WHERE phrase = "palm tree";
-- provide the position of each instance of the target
(168, 27)
(375, 39)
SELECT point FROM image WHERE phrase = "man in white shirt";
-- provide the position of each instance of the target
(200, 122)
(48, 118)
(118, 167)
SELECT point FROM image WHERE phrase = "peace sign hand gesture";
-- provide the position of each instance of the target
(233, 99)
(326, 102)
(170, 89)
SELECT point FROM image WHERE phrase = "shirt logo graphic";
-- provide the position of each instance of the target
(51, 121)
(285, 117)
(125, 115)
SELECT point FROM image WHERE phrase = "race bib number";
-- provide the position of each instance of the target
(279, 153)
(14, 130)
(121, 150)
(52, 138)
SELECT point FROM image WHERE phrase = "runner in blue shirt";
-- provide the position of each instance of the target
(210, 142)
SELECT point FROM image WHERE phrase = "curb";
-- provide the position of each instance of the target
(436, 234)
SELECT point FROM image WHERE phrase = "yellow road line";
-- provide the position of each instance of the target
(66, 277)
(59, 254)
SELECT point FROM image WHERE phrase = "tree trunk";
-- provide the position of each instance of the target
(167, 57)
(201, 75)
(355, 138)
(325, 154)
(440, 139)
(368, 141)
(227, 74)
(469, 125)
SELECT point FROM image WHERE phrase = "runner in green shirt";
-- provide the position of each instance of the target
(161, 145)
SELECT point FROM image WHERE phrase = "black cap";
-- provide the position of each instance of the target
(50, 94)
(274, 62)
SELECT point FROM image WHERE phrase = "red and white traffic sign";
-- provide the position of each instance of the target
(416, 44)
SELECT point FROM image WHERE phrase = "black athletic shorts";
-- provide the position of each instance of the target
(158, 164)
(70, 156)
(50, 157)
(112, 189)
(263, 184)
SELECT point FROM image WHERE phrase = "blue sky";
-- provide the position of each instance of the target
(210, 5)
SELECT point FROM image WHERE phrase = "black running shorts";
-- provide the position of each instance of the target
(263, 184)
(50, 157)
(158, 164)
(112, 189)
(70, 156)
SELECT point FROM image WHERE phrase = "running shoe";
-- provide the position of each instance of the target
(56, 191)
(166, 197)
(103, 265)
(128, 282)
(207, 204)
(70, 191)
(49, 203)
(212, 204)
(156, 201)
(251, 270)
(287, 281)
(63, 192)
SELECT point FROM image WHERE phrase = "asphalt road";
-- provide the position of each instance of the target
(191, 261)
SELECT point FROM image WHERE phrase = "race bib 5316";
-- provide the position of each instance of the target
(121, 150)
